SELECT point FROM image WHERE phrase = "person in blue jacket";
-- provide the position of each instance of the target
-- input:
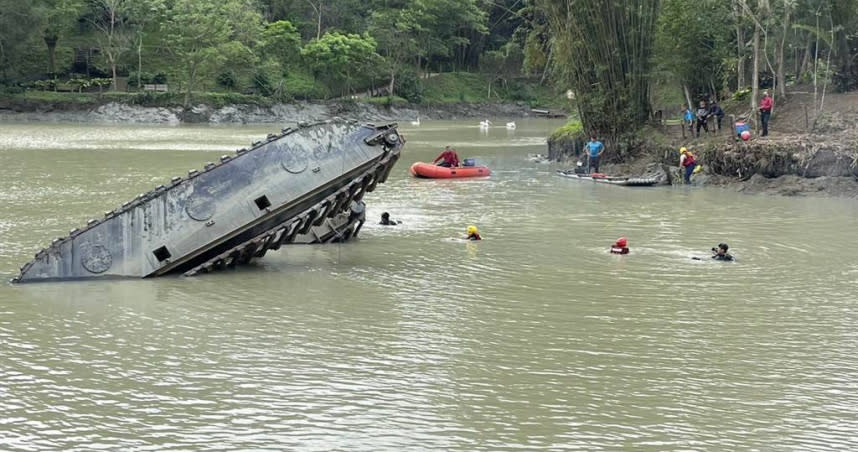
(595, 148)
(688, 119)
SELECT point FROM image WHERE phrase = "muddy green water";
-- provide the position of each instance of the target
(411, 339)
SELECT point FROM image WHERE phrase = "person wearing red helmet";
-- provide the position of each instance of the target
(620, 247)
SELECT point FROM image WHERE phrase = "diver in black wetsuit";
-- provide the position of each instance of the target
(386, 221)
(720, 253)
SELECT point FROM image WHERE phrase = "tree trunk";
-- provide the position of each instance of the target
(687, 97)
(113, 70)
(740, 47)
(191, 79)
(139, 59)
(781, 70)
(816, 68)
(51, 42)
(392, 80)
(755, 75)
(805, 61)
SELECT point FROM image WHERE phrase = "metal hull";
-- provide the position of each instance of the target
(231, 212)
(623, 181)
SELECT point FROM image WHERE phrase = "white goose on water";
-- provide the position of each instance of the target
(485, 124)
(510, 125)
(416, 123)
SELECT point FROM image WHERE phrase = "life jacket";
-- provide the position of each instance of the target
(618, 250)
(689, 160)
(474, 236)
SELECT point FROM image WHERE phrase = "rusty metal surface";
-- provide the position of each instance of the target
(305, 184)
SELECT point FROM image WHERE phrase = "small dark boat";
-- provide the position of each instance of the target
(605, 179)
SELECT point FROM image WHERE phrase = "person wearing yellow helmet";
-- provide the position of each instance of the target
(687, 162)
(473, 234)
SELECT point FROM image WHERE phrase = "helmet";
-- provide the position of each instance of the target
(472, 229)
(622, 242)
(683, 150)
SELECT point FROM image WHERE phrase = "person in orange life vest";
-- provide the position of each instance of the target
(620, 247)
(766, 105)
(473, 234)
(448, 158)
(687, 161)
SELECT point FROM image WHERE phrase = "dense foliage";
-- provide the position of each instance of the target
(609, 54)
(280, 48)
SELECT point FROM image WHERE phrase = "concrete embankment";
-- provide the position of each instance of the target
(245, 113)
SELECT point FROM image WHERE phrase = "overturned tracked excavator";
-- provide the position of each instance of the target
(304, 185)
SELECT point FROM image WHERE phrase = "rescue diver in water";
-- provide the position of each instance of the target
(386, 221)
(621, 246)
(720, 253)
(473, 234)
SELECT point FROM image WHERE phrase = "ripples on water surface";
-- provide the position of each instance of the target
(411, 339)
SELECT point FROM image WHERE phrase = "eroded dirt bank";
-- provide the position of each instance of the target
(821, 162)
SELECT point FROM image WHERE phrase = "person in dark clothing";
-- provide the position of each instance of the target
(473, 234)
(716, 111)
(702, 116)
(720, 253)
(386, 221)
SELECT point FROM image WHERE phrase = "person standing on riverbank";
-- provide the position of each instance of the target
(716, 111)
(688, 163)
(688, 120)
(702, 117)
(766, 105)
(595, 148)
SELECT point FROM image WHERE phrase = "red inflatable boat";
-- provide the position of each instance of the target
(431, 171)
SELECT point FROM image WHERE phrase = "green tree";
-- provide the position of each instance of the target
(57, 17)
(448, 27)
(143, 14)
(110, 19)
(341, 57)
(282, 42)
(396, 29)
(17, 21)
(693, 46)
(204, 34)
(603, 51)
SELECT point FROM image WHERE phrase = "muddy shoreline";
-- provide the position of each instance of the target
(811, 164)
(246, 113)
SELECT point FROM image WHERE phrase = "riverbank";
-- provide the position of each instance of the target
(791, 165)
(117, 112)
(822, 161)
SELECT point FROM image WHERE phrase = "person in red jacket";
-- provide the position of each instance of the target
(620, 247)
(448, 158)
(688, 163)
(766, 111)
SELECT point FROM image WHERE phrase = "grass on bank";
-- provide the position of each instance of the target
(466, 87)
(448, 88)
(572, 130)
